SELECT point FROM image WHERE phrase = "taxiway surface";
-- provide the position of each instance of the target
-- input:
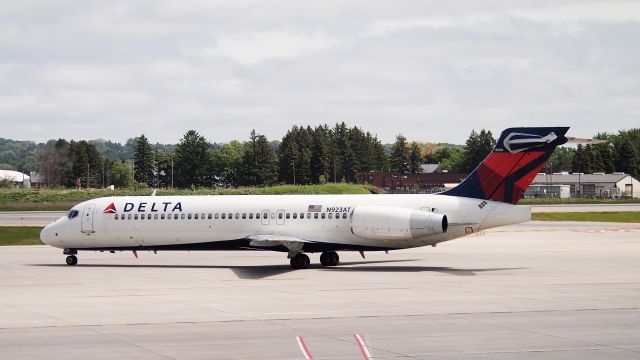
(533, 291)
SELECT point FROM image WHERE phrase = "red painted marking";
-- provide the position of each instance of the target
(304, 348)
(363, 347)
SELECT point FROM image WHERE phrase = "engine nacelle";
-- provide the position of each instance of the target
(395, 223)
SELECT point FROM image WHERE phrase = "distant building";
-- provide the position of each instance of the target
(394, 182)
(17, 178)
(598, 185)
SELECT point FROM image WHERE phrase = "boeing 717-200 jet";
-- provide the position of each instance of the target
(300, 224)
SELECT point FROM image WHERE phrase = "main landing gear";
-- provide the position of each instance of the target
(301, 261)
(72, 259)
(329, 258)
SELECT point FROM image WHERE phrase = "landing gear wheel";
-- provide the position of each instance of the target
(300, 261)
(329, 258)
(72, 260)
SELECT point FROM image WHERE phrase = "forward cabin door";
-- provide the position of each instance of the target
(87, 218)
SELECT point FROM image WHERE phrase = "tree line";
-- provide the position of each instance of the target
(305, 155)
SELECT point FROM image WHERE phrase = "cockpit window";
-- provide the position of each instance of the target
(72, 214)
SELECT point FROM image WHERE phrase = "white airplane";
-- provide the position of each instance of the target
(299, 224)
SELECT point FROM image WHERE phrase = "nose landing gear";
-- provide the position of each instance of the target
(72, 259)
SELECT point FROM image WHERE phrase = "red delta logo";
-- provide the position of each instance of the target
(111, 209)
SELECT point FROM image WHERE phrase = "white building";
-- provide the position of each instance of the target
(18, 178)
(592, 185)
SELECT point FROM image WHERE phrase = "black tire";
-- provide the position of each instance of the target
(72, 260)
(329, 258)
(300, 261)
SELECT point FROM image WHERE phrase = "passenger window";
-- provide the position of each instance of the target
(322, 215)
(295, 215)
(244, 215)
(344, 215)
(273, 215)
(217, 216)
(308, 215)
(129, 216)
(189, 216)
(288, 216)
(224, 216)
(162, 216)
(257, 215)
(301, 215)
(149, 217)
(135, 217)
(195, 216)
(175, 216)
(280, 216)
(202, 216)
(237, 216)
(122, 217)
(182, 216)
(155, 216)
(116, 217)
(330, 215)
(210, 216)
(315, 215)
(230, 216)
(250, 215)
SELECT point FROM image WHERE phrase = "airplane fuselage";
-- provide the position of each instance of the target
(320, 222)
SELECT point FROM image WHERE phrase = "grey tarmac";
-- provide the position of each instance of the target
(540, 290)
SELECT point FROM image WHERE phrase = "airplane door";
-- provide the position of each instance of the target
(87, 218)
(280, 217)
(265, 217)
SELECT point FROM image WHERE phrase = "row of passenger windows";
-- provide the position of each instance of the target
(229, 216)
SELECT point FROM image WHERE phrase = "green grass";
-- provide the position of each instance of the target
(33, 200)
(614, 216)
(20, 235)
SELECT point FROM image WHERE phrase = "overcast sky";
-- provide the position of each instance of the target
(431, 70)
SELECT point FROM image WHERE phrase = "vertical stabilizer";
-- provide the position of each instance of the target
(509, 169)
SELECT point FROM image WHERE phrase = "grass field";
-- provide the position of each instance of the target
(556, 201)
(614, 216)
(20, 235)
(45, 200)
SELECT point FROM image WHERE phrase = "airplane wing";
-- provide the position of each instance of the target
(294, 244)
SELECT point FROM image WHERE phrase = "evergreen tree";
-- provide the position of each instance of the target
(192, 164)
(582, 161)
(85, 165)
(415, 158)
(607, 157)
(399, 158)
(143, 162)
(320, 155)
(259, 164)
(628, 158)
(477, 148)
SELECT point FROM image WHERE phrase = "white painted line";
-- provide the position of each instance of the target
(303, 348)
(363, 346)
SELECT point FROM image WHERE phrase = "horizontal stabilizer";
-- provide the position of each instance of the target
(575, 140)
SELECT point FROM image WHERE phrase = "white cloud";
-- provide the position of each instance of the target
(252, 48)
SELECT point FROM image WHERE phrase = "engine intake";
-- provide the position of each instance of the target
(395, 223)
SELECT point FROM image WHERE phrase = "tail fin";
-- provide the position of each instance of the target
(510, 168)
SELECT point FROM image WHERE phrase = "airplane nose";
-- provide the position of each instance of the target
(46, 235)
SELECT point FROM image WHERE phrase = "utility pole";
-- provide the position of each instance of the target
(87, 175)
(171, 173)
(103, 167)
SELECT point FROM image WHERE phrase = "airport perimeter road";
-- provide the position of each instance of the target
(584, 208)
(29, 218)
(533, 291)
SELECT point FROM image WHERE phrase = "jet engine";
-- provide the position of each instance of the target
(395, 223)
